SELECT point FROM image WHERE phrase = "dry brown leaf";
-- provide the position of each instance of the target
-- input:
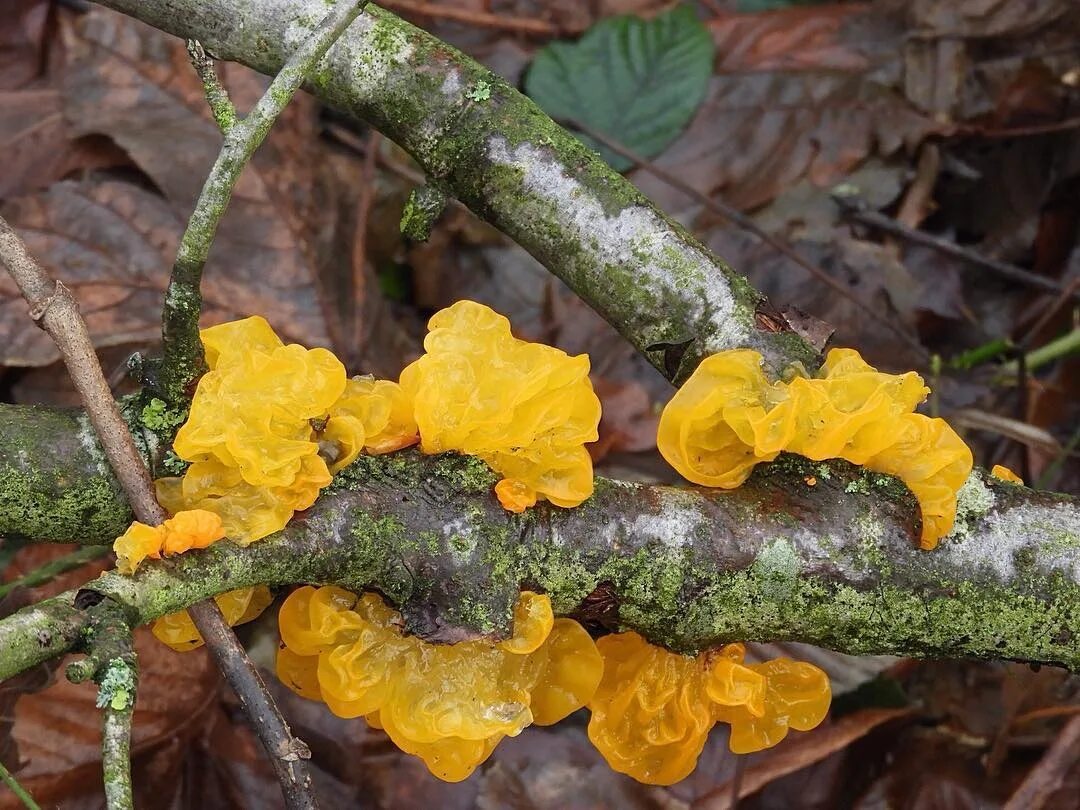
(795, 38)
(798, 752)
(110, 242)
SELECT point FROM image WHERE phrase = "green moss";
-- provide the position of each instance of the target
(61, 507)
(375, 557)
(156, 415)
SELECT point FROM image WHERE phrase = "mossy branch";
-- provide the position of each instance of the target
(183, 361)
(834, 563)
(510, 163)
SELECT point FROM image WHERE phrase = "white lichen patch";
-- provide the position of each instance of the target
(1047, 537)
(673, 527)
(460, 539)
(636, 241)
(88, 439)
(973, 500)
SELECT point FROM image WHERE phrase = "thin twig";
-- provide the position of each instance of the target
(853, 209)
(116, 757)
(1048, 776)
(721, 208)
(54, 309)
(20, 792)
(183, 360)
(54, 568)
(217, 97)
(481, 19)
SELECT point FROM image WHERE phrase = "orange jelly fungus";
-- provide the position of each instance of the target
(1003, 473)
(728, 417)
(654, 709)
(525, 408)
(450, 705)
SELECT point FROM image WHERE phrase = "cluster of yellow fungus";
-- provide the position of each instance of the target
(728, 417)
(262, 420)
(654, 709)
(450, 705)
(525, 408)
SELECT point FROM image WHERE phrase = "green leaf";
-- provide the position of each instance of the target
(639, 82)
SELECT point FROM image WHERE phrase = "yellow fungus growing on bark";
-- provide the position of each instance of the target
(728, 417)
(449, 704)
(653, 710)
(525, 408)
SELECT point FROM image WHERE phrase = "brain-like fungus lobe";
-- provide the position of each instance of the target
(654, 709)
(450, 705)
(270, 423)
(728, 417)
(525, 408)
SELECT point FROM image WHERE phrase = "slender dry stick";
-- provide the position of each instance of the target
(20, 792)
(726, 211)
(116, 756)
(183, 360)
(53, 308)
(855, 210)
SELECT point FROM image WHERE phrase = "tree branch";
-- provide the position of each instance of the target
(183, 361)
(834, 564)
(665, 292)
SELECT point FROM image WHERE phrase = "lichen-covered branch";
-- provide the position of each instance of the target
(666, 293)
(834, 563)
(183, 362)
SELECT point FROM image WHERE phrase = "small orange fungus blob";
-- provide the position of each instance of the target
(653, 710)
(450, 705)
(1003, 473)
(194, 528)
(525, 408)
(728, 417)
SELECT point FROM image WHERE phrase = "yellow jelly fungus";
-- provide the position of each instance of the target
(239, 607)
(1003, 473)
(450, 705)
(194, 528)
(262, 420)
(525, 408)
(653, 710)
(728, 417)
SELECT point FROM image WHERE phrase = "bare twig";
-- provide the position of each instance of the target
(54, 309)
(854, 209)
(183, 361)
(1046, 777)
(721, 208)
(360, 328)
(20, 792)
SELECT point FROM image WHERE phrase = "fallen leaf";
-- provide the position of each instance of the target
(636, 80)
(798, 752)
(759, 133)
(795, 38)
